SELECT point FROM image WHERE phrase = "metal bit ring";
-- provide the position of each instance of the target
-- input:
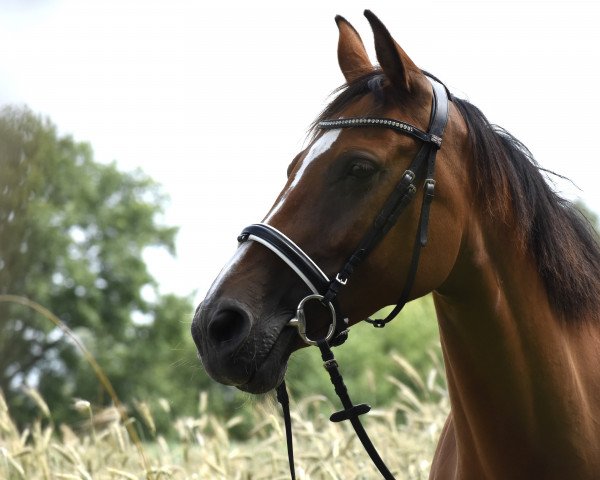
(300, 321)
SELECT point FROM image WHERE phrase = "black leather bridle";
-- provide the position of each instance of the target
(325, 289)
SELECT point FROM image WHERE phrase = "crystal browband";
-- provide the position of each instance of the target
(397, 125)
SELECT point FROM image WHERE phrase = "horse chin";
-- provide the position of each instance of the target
(265, 379)
(271, 371)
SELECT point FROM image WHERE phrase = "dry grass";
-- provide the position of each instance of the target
(405, 434)
(107, 446)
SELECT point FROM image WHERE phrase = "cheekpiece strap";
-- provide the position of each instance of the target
(402, 194)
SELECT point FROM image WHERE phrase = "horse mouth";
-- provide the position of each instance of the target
(269, 374)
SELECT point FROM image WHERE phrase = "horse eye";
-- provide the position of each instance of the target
(362, 169)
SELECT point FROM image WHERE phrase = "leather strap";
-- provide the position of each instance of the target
(350, 412)
(289, 252)
(397, 125)
(284, 400)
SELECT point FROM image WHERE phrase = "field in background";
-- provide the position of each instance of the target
(405, 432)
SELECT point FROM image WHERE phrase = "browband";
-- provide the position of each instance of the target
(397, 125)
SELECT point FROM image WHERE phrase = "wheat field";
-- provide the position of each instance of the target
(103, 447)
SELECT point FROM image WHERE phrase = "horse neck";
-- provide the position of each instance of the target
(522, 388)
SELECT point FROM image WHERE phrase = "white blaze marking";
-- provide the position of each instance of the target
(317, 149)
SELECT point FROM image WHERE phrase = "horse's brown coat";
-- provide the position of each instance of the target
(524, 379)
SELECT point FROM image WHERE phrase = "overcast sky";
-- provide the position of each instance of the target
(212, 99)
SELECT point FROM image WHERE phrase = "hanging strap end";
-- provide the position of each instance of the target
(349, 413)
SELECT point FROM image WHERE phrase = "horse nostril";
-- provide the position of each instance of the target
(228, 326)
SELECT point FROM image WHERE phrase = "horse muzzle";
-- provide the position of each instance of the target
(220, 334)
(236, 349)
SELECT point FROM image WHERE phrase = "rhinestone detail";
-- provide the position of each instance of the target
(397, 125)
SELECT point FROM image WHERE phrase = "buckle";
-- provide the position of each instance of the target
(330, 364)
(408, 176)
(429, 187)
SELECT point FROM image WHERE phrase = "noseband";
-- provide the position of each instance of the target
(325, 289)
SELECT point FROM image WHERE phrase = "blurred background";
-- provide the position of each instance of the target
(138, 138)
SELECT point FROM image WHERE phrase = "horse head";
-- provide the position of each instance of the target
(362, 223)
(335, 189)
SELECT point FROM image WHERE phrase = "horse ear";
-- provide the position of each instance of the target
(352, 55)
(395, 63)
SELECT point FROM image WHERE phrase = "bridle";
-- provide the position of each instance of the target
(326, 290)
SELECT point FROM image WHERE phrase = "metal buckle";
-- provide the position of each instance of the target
(408, 176)
(429, 187)
(300, 321)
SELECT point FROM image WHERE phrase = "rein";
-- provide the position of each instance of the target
(325, 290)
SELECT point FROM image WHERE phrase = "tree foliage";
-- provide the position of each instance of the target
(72, 235)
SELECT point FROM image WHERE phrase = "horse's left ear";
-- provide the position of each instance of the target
(352, 55)
(395, 63)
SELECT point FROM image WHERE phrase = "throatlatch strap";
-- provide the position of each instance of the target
(437, 125)
(419, 243)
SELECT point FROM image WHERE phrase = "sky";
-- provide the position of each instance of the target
(213, 99)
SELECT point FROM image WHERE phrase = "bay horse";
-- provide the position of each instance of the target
(513, 268)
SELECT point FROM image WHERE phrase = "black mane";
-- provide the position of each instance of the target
(510, 185)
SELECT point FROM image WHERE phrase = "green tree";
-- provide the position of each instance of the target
(72, 234)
